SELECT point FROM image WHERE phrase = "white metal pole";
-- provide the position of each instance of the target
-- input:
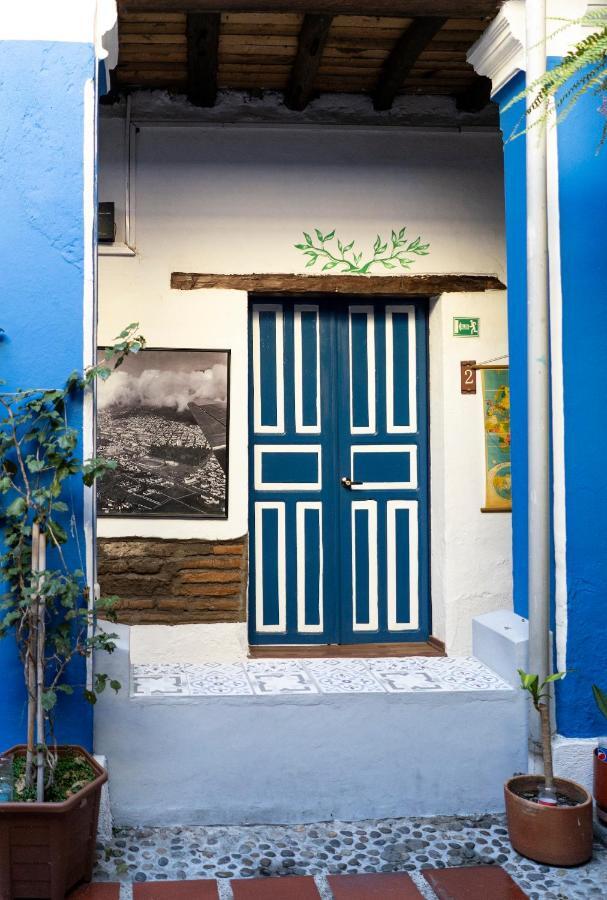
(538, 360)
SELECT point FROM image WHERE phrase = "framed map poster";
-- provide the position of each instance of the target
(496, 417)
(164, 417)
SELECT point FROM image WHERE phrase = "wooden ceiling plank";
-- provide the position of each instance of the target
(403, 57)
(312, 39)
(131, 28)
(409, 8)
(202, 31)
(263, 18)
(145, 37)
(152, 17)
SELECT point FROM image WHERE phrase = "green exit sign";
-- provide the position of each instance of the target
(466, 327)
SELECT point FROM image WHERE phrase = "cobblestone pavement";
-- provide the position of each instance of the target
(387, 845)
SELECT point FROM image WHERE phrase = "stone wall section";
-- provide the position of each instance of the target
(174, 582)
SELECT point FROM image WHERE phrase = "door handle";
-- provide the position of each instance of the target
(348, 483)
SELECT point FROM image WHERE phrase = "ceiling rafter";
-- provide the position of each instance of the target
(404, 8)
(202, 30)
(312, 39)
(403, 57)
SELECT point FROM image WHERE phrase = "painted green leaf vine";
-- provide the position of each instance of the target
(334, 253)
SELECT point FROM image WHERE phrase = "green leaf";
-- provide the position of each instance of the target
(56, 531)
(319, 235)
(115, 685)
(329, 265)
(600, 699)
(555, 677)
(311, 262)
(16, 508)
(48, 700)
(329, 236)
(33, 464)
(308, 238)
(90, 697)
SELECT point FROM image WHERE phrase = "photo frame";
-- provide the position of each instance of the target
(164, 417)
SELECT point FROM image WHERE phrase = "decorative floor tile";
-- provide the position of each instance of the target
(279, 676)
(342, 676)
(168, 683)
(311, 676)
(436, 673)
(218, 679)
(405, 681)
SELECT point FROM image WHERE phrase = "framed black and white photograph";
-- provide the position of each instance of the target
(164, 417)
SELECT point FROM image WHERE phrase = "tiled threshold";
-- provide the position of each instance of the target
(315, 676)
(469, 883)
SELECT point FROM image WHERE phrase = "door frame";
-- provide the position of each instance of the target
(277, 640)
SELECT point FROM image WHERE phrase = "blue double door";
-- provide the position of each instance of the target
(338, 472)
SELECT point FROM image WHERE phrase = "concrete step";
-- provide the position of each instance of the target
(290, 741)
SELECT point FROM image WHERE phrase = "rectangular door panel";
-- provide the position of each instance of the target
(339, 472)
(384, 473)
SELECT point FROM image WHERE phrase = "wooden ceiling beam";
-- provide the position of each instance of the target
(312, 39)
(202, 30)
(459, 9)
(420, 285)
(403, 57)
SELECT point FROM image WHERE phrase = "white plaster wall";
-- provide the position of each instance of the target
(221, 642)
(471, 559)
(235, 199)
(84, 21)
(207, 319)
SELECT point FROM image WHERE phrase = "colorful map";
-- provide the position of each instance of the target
(496, 403)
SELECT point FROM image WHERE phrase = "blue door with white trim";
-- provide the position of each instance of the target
(338, 472)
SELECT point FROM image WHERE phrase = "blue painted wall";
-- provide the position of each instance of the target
(583, 205)
(42, 265)
(516, 261)
(583, 209)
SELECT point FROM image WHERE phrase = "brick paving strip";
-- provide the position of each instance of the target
(467, 883)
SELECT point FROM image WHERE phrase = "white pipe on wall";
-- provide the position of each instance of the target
(538, 358)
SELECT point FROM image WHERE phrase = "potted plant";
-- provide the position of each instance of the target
(600, 761)
(549, 819)
(50, 794)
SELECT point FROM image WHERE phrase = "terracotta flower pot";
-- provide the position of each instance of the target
(556, 836)
(600, 788)
(47, 848)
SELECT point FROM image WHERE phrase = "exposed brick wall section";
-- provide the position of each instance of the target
(175, 582)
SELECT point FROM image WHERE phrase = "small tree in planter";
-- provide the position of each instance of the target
(549, 819)
(600, 760)
(46, 604)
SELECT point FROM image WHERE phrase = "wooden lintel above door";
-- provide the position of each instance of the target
(387, 285)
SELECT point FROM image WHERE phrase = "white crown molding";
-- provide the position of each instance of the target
(499, 53)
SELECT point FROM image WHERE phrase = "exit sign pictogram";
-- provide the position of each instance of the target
(466, 326)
